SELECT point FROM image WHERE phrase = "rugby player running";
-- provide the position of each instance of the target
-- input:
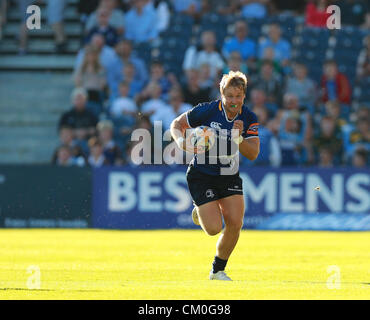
(216, 187)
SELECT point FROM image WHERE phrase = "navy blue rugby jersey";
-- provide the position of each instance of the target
(212, 114)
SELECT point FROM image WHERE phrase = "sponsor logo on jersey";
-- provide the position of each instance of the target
(216, 125)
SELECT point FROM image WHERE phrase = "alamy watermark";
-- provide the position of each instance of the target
(34, 280)
(34, 20)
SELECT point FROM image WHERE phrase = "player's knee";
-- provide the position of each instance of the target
(213, 230)
(235, 224)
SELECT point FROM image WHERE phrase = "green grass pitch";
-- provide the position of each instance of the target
(174, 264)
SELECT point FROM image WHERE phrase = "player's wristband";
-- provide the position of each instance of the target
(238, 140)
(180, 142)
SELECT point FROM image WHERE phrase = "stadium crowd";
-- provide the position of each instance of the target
(147, 60)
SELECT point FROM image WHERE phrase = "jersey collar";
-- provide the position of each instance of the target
(224, 112)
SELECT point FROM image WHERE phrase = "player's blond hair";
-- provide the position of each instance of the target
(233, 79)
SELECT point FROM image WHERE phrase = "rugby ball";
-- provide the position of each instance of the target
(202, 139)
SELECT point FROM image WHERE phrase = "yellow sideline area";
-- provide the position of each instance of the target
(174, 264)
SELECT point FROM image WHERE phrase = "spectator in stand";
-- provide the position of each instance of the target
(157, 74)
(191, 7)
(141, 22)
(363, 60)
(270, 153)
(116, 18)
(334, 84)
(326, 158)
(241, 43)
(206, 53)
(359, 137)
(104, 28)
(330, 138)
(258, 100)
(79, 118)
(91, 76)
(294, 131)
(366, 25)
(154, 103)
(65, 157)
(315, 13)
(176, 107)
(235, 63)
(55, 11)
(96, 157)
(333, 110)
(126, 54)
(107, 56)
(111, 151)
(66, 138)
(254, 9)
(302, 86)
(192, 92)
(271, 83)
(163, 11)
(282, 48)
(353, 11)
(124, 106)
(360, 158)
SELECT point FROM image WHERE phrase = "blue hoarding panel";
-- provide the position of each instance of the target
(156, 197)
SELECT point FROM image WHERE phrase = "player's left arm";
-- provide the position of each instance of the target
(249, 145)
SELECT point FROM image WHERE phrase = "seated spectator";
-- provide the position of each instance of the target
(104, 28)
(270, 153)
(190, 7)
(66, 138)
(206, 53)
(126, 55)
(111, 150)
(91, 76)
(282, 48)
(294, 130)
(326, 158)
(163, 11)
(157, 74)
(116, 18)
(258, 100)
(363, 60)
(154, 103)
(231, 7)
(241, 43)
(65, 157)
(96, 157)
(173, 110)
(333, 110)
(140, 22)
(235, 63)
(334, 84)
(271, 83)
(193, 93)
(107, 56)
(315, 13)
(329, 136)
(205, 79)
(359, 137)
(254, 9)
(79, 117)
(124, 106)
(353, 11)
(360, 158)
(302, 86)
(366, 25)
(135, 86)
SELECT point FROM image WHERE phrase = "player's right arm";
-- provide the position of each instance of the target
(178, 128)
